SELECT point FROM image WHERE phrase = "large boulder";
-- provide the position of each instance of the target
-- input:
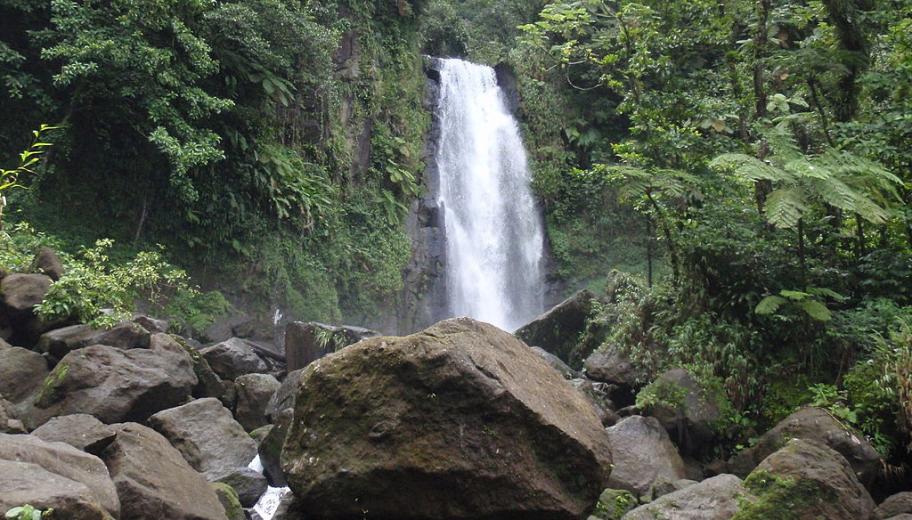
(82, 431)
(253, 394)
(23, 483)
(249, 485)
(154, 481)
(818, 425)
(643, 456)
(114, 385)
(556, 363)
(895, 505)
(689, 411)
(308, 342)
(47, 262)
(805, 480)
(66, 461)
(270, 450)
(715, 498)
(284, 397)
(9, 421)
(558, 331)
(611, 365)
(124, 335)
(207, 436)
(232, 358)
(209, 384)
(459, 421)
(21, 373)
(21, 292)
(599, 395)
(59, 342)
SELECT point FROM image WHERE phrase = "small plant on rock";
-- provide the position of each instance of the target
(27, 512)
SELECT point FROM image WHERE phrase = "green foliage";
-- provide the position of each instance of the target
(661, 394)
(28, 159)
(95, 290)
(27, 512)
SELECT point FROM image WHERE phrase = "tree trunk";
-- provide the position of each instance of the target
(845, 16)
(761, 41)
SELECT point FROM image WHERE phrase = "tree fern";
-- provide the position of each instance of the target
(784, 207)
(835, 177)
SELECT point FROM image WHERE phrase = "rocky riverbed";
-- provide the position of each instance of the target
(459, 421)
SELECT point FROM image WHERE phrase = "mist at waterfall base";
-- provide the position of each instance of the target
(494, 235)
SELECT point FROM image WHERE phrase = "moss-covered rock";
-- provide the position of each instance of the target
(461, 420)
(805, 481)
(613, 504)
(230, 501)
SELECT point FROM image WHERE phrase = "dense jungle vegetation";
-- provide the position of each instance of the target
(733, 175)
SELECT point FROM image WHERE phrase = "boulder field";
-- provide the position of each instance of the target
(459, 421)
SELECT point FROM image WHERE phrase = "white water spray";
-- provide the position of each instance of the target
(493, 226)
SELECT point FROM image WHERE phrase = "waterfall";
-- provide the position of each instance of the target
(494, 236)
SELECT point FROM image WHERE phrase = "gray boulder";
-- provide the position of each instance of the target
(308, 342)
(207, 436)
(124, 335)
(153, 325)
(254, 392)
(559, 330)
(9, 421)
(556, 363)
(284, 397)
(66, 461)
(59, 342)
(233, 358)
(22, 373)
(270, 450)
(47, 262)
(895, 505)
(598, 395)
(249, 485)
(154, 481)
(610, 365)
(643, 456)
(114, 385)
(209, 384)
(810, 481)
(82, 431)
(21, 292)
(25, 483)
(716, 498)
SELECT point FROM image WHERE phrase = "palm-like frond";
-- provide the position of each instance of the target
(785, 207)
(749, 167)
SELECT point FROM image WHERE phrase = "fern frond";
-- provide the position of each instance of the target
(836, 193)
(785, 207)
(870, 211)
(770, 305)
(816, 310)
(749, 167)
(805, 168)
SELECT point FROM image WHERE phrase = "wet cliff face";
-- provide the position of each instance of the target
(423, 298)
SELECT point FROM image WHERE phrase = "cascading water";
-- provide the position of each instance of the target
(494, 251)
